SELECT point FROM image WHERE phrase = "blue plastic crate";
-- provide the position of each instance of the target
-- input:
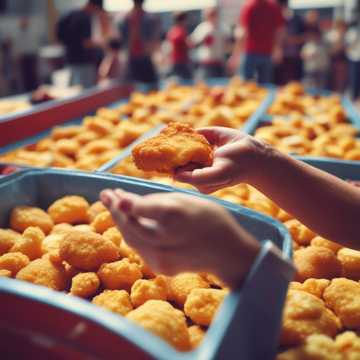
(247, 325)
(344, 169)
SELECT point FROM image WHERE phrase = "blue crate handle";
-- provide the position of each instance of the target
(237, 329)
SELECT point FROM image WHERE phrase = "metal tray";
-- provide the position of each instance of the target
(36, 320)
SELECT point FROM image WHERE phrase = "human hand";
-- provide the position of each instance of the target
(237, 158)
(172, 232)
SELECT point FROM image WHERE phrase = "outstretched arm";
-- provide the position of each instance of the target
(324, 203)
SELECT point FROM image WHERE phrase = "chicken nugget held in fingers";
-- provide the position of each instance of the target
(176, 146)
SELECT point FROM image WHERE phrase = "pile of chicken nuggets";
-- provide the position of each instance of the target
(99, 138)
(310, 125)
(74, 247)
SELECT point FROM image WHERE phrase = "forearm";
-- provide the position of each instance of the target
(324, 203)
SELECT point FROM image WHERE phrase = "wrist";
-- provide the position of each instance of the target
(239, 253)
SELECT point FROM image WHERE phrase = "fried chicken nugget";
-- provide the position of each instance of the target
(71, 209)
(44, 272)
(8, 238)
(176, 146)
(202, 304)
(114, 235)
(5, 273)
(85, 285)
(348, 344)
(22, 217)
(13, 262)
(299, 232)
(95, 209)
(316, 262)
(30, 243)
(51, 246)
(162, 319)
(117, 301)
(350, 261)
(312, 286)
(316, 347)
(102, 222)
(87, 250)
(119, 274)
(182, 284)
(305, 314)
(196, 334)
(343, 297)
(322, 242)
(144, 290)
(61, 228)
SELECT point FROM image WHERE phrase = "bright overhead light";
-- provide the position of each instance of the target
(301, 4)
(160, 5)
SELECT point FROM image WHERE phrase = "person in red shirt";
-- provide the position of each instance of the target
(259, 37)
(178, 40)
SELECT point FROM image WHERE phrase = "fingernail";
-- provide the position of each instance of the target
(105, 198)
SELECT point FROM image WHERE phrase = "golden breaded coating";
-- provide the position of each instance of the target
(30, 243)
(196, 334)
(163, 320)
(316, 347)
(177, 145)
(95, 209)
(71, 209)
(61, 228)
(305, 314)
(87, 250)
(213, 280)
(44, 272)
(114, 235)
(343, 297)
(119, 274)
(83, 227)
(322, 242)
(8, 238)
(117, 301)
(182, 284)
(348, 344)
(299, 232)
(13, 262)
(5, 273)
(202, 304)
(316, 262)
(102, 222)
(85, 285)
(22, 217)
(51, 246)
(350, 261)
(312, 286)
(144, 290)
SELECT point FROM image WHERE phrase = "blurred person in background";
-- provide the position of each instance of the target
(312, 19)
(316, 60)
(338, 60)
(353, 54)
(259, 38)
(179, 41)
(140, 32)
(79, 32)
(211, 38)
(112, 66)
(291, 66)
(25, 44)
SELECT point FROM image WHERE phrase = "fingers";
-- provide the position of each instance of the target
(209, 176)
(217, 135)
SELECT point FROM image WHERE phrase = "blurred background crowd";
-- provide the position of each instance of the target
(84, 43)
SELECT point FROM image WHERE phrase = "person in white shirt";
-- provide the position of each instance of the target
(316, 60)
(353, 54)
(210, 38)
